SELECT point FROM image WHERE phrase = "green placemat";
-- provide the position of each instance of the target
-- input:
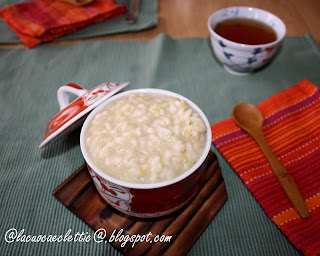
(28, 84)
(148, 18)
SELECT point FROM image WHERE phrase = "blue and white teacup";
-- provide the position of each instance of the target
(243, 59)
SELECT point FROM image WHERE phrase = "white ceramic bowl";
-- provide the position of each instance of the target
(155, 199)
(243, 59)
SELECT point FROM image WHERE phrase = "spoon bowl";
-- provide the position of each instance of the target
(247, 116)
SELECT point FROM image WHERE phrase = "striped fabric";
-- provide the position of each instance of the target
(292, 129)
(41, 21)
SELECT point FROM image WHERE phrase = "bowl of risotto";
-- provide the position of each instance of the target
(146, 151)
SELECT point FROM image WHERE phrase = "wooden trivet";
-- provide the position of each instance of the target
(186, 225)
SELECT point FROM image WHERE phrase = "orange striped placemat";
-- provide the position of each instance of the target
(41, 21)
(292, 129)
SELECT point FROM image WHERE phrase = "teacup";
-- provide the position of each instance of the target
(153, 199)
(240, 58)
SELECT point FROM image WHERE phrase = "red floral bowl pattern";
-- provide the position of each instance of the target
(149, 203)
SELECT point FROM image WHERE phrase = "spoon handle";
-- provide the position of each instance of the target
(284, 178)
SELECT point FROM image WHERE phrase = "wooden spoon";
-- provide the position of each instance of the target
(249, 118)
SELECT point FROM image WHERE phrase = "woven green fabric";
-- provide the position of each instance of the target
(29, 80)
(148, 18)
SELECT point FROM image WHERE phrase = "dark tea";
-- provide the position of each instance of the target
(246, 31)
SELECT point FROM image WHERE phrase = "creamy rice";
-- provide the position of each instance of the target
(145, 138)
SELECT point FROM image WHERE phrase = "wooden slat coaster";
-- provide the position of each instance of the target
(185, 226)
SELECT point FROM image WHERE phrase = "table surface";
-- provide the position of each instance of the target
(178, 19)
(188, 18)
(181, 19)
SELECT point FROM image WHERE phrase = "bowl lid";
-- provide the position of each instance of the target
(73, 114)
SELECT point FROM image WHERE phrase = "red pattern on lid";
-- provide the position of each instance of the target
(79, 107)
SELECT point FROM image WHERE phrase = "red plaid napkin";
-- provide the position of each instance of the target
(41, 21)
(292, 129)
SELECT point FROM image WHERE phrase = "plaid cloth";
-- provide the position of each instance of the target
(41, 21)
(292, 129)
